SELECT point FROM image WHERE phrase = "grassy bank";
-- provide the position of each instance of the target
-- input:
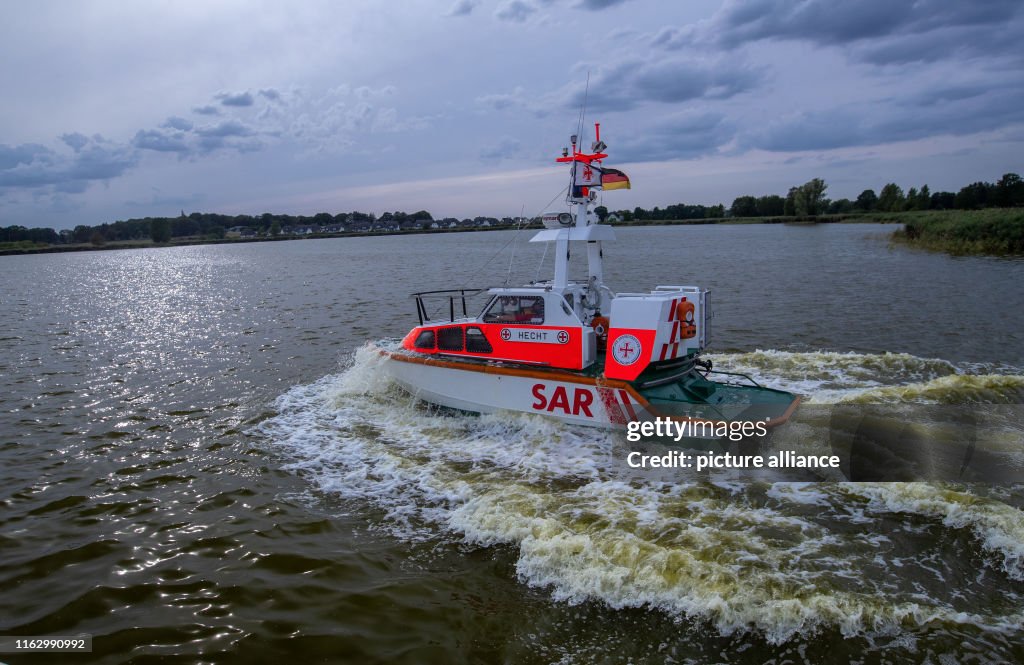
(990, 231)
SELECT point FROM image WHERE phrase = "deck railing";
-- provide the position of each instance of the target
(451, 294)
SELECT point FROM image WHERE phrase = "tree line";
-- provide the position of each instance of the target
(809, 199)
(803, 200)
(196, 224)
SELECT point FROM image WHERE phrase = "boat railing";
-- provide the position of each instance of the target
(451, 294)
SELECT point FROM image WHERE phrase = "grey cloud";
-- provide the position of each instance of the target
(75, 140)
(271, 94)
(235, 99)
(26, 153)
(944, 43)
(35, 166)
(156, 140)
(821, 130)
(157, 199)
(206, 110)
(679, 136)
(228, 135)
(71, 186)
(597, 5)
(463, 8)
(503, 148)
(213, 142)
(953, 110)
(174, 122)
(516, 11)
(225, 128)
(631, 81)
(502, 101)
(673, 39)
(828, 23)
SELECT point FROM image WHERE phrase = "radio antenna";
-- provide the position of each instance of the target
(583, 109)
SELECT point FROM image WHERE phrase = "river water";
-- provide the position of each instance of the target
(198, 458)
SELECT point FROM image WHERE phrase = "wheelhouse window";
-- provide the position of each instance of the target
(476, 342)
(450, 339)
(425, 340)
(516, 309)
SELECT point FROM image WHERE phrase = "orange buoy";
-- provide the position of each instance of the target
(684, 311)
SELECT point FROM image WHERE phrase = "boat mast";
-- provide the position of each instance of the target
(585, 179)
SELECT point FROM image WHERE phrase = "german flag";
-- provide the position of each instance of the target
(614, 179)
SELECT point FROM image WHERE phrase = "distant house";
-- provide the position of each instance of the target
(240, 232)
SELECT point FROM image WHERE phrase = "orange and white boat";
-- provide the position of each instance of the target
(578, 351)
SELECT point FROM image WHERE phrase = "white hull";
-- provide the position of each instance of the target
(488, 389)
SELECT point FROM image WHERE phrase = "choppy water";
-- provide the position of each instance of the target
(196, 458)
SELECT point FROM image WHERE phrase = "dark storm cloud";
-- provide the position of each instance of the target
(235, 98)
(33, 166)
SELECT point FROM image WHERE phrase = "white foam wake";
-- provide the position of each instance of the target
(781, 559)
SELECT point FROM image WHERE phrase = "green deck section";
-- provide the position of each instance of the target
(686, 392)
(676, 391)
(695, 396)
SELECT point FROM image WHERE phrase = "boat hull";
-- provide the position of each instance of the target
(566, 396)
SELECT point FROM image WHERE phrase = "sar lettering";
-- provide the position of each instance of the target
(582, 399)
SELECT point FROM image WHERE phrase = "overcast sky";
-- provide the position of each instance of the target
(113, 110)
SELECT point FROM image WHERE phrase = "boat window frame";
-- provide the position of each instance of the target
(515, 313)
(445, 330)
(477, 335)
(433, 340)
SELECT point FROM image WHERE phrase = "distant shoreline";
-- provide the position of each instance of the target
(902, 218)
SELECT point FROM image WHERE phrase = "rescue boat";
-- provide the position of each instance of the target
(576, 350)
